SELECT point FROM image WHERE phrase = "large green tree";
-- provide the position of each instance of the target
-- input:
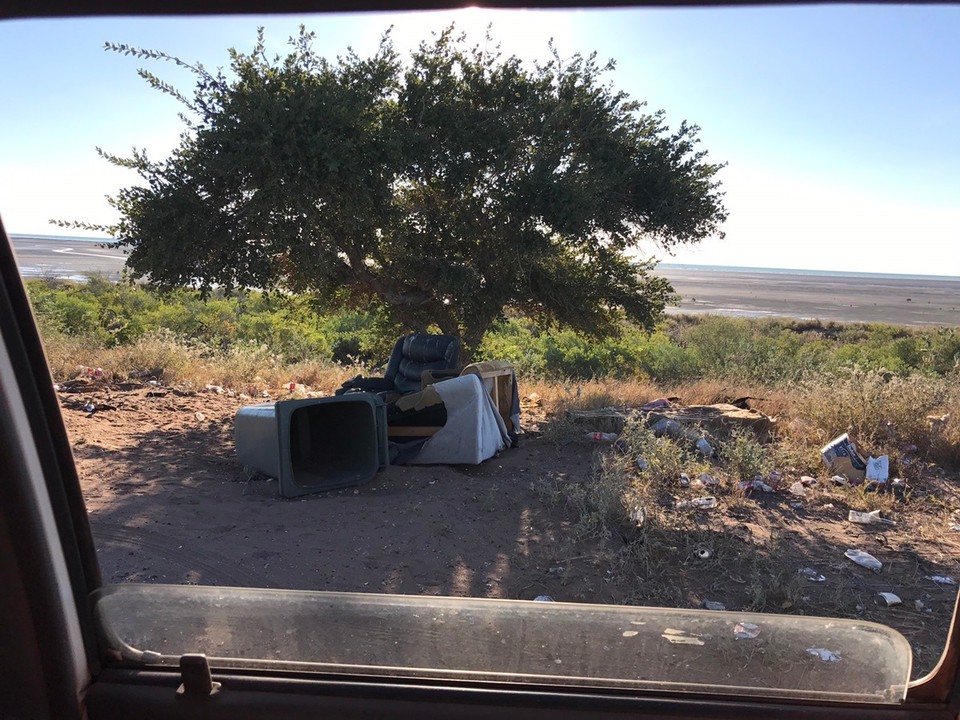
(447, 188)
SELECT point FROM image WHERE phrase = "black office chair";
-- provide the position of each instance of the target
(410, 357)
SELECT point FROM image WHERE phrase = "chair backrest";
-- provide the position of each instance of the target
(418, 352)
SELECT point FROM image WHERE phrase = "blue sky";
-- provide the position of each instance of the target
(839, 123)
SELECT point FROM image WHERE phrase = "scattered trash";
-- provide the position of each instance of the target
(864, 559)
(90, 408)
(955, 527)
(878, 469)
(657, 405)
(672, 428)
(681, 637)
(824, 654)
(827, 506)
(797, 505)
(533, 398)
(264, 394)
(602, 436)
(890, 599)
(200, 416)
(756, 484)
(642, 464)
(918, 604)
(807, 480)
(704, 553)
(840, 480)
(868, 518)
(713, 605)
(56, 388)
(942, 579)
(898, 482)
(700, 502)
(798, 489)
(638, 516)
(810, 574)
(774, 479)
(543, 598)
(684, 480)
(843, 457)
(631, 633)
(295, 387)
(706, 479)
(704, 447)
(214, 389)
(746, 631)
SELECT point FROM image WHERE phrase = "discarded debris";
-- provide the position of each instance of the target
(844, 458)
(864, 559)
(214, 389)
(824, 654)
(955, 527)
(642, 464)
(602, 436)
(890, 598)
(713, 605)
(658, 404)
(807, 480)
(631, 633)
(748, 486)
(704, 553)
(798, 489)
(942, 579)
(878, 469)
(700, 502)
(704, 448)
(295, 387)
(868, 518)
(681, 637)
(200, 416)
(543, 598)
(684, 480)
(90, 408)
(746, 631)
(810, 574)
(715, 421)
(638, 516)
(707, 480)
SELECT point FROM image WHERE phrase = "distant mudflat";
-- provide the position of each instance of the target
(895, 300)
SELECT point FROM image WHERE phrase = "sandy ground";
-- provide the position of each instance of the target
(896, 301)
(169, 504)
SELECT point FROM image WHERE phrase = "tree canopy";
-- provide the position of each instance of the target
(447, 188)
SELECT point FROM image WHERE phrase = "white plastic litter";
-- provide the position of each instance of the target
(704, 447)
(745, 631)
(878, 469)
(864, 559)
(810, 574)
(684, 480)
(706, 479)
(701, 502)
(713, 605)
(798, 489)
(890, 598)
(942, 579)
(543, 598)
(824, 654)
(868, 518)
(840, 480)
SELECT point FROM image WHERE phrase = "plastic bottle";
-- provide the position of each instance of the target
(602, 436)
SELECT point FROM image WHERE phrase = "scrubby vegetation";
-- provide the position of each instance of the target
(86, 320)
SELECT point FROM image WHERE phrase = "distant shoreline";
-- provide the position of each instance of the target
(901, 300)
(904, 300)
(798, 271)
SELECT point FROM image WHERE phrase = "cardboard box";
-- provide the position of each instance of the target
(843, 457)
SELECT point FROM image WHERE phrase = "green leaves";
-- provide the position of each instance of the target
(449, 187)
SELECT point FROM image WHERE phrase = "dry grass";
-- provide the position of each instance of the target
(170, 360)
